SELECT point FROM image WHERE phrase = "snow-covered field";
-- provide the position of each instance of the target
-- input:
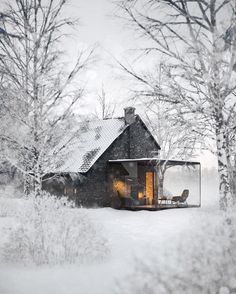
(139, 235)
(129, 234)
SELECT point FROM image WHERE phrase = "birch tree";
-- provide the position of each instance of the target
(38, 94)
(195, 40)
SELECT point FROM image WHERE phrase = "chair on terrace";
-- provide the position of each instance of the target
(182, 198)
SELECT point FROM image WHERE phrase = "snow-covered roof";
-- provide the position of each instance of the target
(93, 139)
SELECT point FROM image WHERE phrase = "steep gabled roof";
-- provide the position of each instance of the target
(94, 138)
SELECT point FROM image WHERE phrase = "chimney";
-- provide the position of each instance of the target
(129, 115)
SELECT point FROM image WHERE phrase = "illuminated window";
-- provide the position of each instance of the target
(149, 186)
(119, 186)
(69, 191)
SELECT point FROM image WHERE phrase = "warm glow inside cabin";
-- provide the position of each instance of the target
(134, 180)
(119, 186)
(135, 183)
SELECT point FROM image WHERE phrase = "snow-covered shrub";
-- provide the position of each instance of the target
(5, 208)
(10, 191)
(10, 200)
(201, 262)
(10, 207)
(51, 231)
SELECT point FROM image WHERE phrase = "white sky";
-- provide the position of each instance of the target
(100, 27)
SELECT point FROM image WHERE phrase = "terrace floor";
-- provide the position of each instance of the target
(159, 207)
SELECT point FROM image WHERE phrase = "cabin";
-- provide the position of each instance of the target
(114, 163)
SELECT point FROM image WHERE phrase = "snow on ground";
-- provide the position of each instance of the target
(130, 234)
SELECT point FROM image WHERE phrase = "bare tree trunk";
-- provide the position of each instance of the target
(226, 199)
(231, 162)
(232, 177)
(37, 173)
(161, 186)
(27, 185)
(38, 221)
(161, 176)
(234, 180)
(39, 234)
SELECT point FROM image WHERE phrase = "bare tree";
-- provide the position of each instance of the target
(196, 43)
(105, 109)
(37, 93)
